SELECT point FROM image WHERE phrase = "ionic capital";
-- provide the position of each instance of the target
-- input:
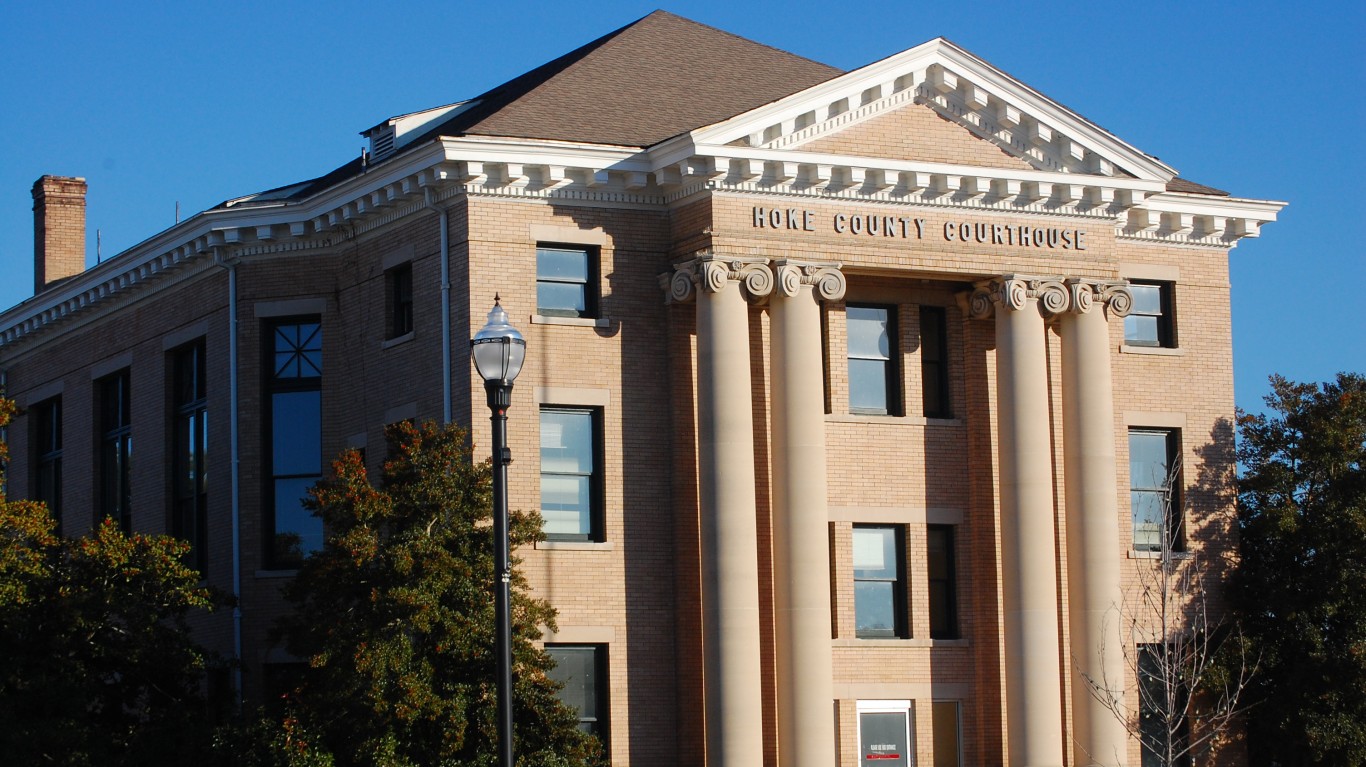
(711, 273)
(1013, 292)
(824, 278)
(1054, 295)
(1114, 297)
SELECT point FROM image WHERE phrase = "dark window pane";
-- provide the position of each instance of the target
(296, 432)
(297, 532)
(579, 670)
(1154, 488)
(942, 583)
(934, 362)
(565, 505)
(875, 609)
(1148, 459)
(884, 739)
(562, 265)
(868, 385)
(1147, 299)
(1140, 330)
(298, 351)
(561, 298)
(868, 334)
(947, 751)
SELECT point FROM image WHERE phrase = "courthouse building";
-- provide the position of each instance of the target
(847, 403)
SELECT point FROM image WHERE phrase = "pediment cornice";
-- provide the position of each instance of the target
(957, 85)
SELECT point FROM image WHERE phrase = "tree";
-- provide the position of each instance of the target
(1301, 587)
(1189, 665)
(395, 618)
(98, 667)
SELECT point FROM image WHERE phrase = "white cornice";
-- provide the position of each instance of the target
(955, 83)
(937, 74)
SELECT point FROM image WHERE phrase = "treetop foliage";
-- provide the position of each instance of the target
(395, 617)
(1300, 590)
(98, 665)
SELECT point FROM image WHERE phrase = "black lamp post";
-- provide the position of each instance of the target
(498, 350)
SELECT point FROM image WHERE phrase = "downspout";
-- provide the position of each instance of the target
(445, 306)
(235, 484)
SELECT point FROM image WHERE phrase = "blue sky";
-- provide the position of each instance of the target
(195, 103)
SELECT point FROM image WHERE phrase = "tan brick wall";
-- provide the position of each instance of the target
(915, 132)
(639, 590)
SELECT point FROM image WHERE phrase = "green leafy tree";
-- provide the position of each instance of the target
(395, 617)
(1301, 586)
(96, 663)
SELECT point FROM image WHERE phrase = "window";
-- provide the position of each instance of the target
(190, 450)
(943, 583)
(873, 381)
(47, 456)
(934, 362)
(294, 438)
(566, 279)
(399, 284)
(884, 733)
(879, 583)
(116, 451)
(1150, 322)
(1162, 698)
(948, 733)
(571, 480)
(582, 669)
(1154, 484)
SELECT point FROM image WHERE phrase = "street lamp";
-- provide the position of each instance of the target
(498, 350)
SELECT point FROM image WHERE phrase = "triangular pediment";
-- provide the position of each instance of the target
(940, 78)
(915, 133)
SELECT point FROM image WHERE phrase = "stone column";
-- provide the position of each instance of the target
(801, 540)
(726, 497)
(1029, 562)
(1094, 591)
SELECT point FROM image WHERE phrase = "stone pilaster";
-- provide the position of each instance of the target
(801, 548)
(726, 496)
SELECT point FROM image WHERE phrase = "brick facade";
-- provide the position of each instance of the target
(638, 590)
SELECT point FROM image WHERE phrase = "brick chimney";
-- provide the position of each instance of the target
(58, 229)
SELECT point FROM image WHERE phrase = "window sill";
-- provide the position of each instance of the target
(1156, 351)
(396, 340)
(897, 420)
(582, 322)
(1177, 555)
(574, 546)
(898, 644)
(268, 574)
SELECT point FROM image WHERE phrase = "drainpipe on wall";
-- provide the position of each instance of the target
(445, 307)
(231, 266)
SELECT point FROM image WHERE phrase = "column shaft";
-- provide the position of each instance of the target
(801, 550)
(730, 569)
(1093, 574)
(1028, 551)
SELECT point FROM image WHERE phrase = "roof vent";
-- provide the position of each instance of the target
(381, 142)
(393, 134)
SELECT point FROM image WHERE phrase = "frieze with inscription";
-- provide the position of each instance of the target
(913, 228)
